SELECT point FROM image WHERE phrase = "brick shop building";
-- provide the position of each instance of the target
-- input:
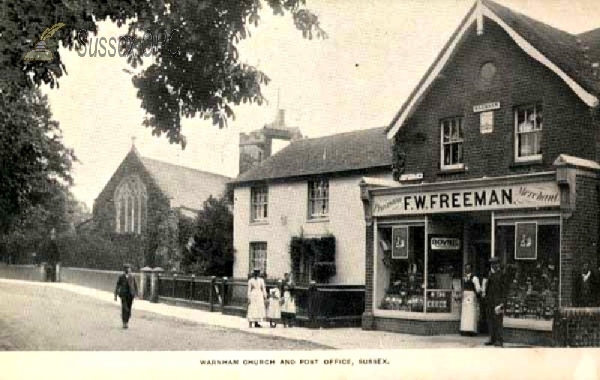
(495, 153)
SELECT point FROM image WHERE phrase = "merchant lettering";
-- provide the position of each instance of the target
(537, 195)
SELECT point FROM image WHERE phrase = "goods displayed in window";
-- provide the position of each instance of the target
(533, 286)
(404, 270)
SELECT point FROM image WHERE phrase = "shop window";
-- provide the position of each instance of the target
(130, 205)
(402, 250)
(452, 143)
(530, 252)
(318, 199)
(258, 257)
(259, 200)
(528, 132)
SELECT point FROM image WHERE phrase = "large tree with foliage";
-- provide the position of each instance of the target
(197, 73)
(35, 166)
(212, 250)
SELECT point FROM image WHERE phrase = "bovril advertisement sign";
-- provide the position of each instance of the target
(530, 195)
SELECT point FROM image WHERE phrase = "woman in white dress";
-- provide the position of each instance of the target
(469, 317)
(257, 295)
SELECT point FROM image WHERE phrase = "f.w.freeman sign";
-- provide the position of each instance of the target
(531, 195)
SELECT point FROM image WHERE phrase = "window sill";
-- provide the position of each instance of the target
(525, 163)
(449, 171)
(528, 324)
(318, 220)
(417, 316)
(259, 223)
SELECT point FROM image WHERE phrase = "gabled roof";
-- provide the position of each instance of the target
(188, 188)
(343, 152)
(568, 56)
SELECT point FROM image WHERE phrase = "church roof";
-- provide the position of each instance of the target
(342, 152)
(188, 188)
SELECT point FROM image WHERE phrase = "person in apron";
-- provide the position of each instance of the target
(469, 317)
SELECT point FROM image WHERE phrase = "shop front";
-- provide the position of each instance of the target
(422, 237)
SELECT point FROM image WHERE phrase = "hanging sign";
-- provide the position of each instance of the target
(399, 242)
(526, 241)
(411, 177)
(530, 195)
(445, 244)
(486, 107)
(486, 122)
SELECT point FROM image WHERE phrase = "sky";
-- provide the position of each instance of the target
(358, 78)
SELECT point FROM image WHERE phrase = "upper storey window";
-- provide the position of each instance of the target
(528, 132)
(452, 143)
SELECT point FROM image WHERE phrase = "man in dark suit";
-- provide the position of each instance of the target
(127, 290)
(495, 293)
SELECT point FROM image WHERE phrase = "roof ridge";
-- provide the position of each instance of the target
(182, 166)
(341, 134)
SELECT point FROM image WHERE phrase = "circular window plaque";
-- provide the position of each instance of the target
(488, 71)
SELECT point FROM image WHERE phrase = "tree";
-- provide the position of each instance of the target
(34, 163)
(196, 69)
(212, 250)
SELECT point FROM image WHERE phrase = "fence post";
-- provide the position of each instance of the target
(223, 294)
(57, 273)
(174, 285)
(192, 287)
(154, 284)
(211, 294)
(312, 305)
(145, 274)
(43, 274)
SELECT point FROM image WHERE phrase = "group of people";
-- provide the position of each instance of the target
(276, 305)
(485, 297)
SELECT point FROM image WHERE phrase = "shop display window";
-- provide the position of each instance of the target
(530, 252)
(402, 252)
(401, 279)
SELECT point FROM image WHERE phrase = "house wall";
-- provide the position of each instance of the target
(287, 217)
(520, 80)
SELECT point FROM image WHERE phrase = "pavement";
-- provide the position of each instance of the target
(338, 338)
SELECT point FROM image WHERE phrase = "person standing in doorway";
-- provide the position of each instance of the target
(469, 317)
(495, 294)
(257, 295)
(127, 290)
(583, 287)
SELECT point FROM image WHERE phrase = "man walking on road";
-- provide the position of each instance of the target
(127, 290)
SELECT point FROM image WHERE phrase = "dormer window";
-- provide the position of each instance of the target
(452, 143)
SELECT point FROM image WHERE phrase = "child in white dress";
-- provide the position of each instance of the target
(288, 309)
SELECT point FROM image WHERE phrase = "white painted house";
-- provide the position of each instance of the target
(309, 189)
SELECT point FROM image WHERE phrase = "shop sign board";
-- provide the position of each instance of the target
(526, 241)
(400, 242)
(445, 244)
(508, 197)
(486, 107)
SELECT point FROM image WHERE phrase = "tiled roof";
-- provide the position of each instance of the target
(566, 50)
(364, 149)
(187, 187)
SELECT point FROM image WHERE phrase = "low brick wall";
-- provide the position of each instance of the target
(416, 327)
(92, 278)
(21, 272)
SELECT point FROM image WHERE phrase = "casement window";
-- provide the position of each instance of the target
(130, 205)
(318, 199)
(452, 143)
(528, 132)
(259, 201)
(258, 257)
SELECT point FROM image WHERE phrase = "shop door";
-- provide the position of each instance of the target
(481, 248)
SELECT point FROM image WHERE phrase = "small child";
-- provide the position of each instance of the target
(274, 308)
(288, 310)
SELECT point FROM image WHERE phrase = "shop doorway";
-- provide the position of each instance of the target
(480, 247)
